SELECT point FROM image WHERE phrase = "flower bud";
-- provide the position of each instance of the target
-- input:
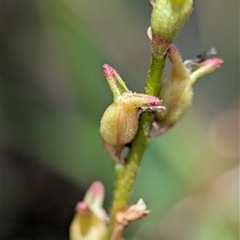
(176, 89)
(89, 221)
(119, 123)
(95, 197)
(168, 17)
(167, 20)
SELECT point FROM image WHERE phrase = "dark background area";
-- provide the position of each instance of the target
(53, 97)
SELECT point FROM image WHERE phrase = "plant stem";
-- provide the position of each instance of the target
(127, 173)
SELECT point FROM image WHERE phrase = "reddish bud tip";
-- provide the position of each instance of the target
(172, 50)
(109, 72)
(97, 188)
(154, 101)
(215, 62)
(82, 207)
(107, 69)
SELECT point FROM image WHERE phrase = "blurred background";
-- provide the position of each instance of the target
(54, 95)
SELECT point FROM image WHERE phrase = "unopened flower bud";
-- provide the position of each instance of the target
(167, 20)
(119, 123)
(89, 221)
(95, 197)
(176, 89)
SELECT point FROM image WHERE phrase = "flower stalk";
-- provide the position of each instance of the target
(126, 174)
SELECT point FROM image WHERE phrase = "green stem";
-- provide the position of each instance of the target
(155, 74)
(126, 175)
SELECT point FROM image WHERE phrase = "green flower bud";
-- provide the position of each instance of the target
(119, 123)
(176, 89)
(167, 20)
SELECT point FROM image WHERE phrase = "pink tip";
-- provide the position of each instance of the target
(82, 207)
(154, 101)
(110, 72)
(172, 49)
(215, 62)
(96, 188)
(107, 69)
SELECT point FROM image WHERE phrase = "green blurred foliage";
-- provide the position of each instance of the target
(54, 94)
